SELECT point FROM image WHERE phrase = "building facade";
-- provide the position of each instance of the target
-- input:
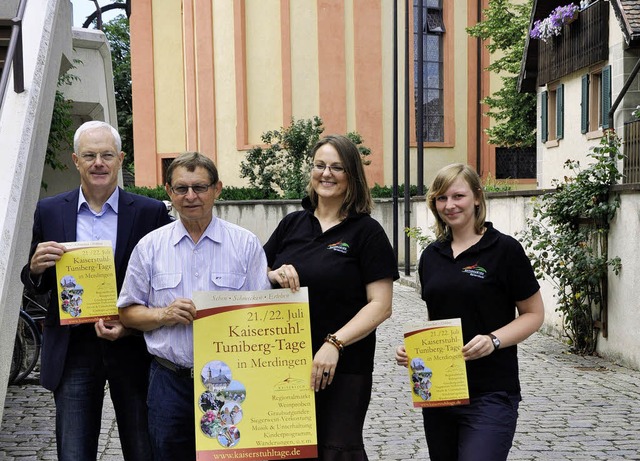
(213, 75)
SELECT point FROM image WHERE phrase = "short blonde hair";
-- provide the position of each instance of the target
(443, 180)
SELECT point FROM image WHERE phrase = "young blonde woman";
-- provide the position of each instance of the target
(474, 272)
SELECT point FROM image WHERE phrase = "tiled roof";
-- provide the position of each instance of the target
(628, 14)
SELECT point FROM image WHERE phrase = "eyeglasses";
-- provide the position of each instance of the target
(91, 157)
(196, 188)
(335, 169)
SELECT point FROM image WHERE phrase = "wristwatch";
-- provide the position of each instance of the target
(495, 340)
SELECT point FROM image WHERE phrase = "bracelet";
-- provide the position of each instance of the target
(335, 342)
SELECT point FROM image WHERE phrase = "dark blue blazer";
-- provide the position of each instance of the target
(55, 220)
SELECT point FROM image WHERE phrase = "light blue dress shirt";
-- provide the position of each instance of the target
(167, 264)
(92, 226)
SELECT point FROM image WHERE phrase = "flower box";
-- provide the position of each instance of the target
(552, 25)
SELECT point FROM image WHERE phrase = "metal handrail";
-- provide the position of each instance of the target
(14, 54)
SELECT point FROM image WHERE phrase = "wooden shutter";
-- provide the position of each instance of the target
(584, 105)
(544, 109)
(560, 112)
(605, 96)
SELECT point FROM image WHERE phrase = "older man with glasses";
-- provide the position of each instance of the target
(198, 252)
(77, 361)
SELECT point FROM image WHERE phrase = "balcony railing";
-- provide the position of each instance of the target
(631, 152)
(582, 43)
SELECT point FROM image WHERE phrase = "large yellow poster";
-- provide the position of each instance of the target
(252, 368)
(86, 278)
(437, 370)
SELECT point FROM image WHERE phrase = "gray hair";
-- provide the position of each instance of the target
(93, 125)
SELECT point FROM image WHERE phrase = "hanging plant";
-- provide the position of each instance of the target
(551, 26)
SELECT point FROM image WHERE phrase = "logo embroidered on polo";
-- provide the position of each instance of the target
(475, 271)
(340, 247)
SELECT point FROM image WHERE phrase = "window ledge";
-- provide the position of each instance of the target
(594, 134)
(552, 143)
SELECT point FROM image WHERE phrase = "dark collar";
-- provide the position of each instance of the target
(489, 237)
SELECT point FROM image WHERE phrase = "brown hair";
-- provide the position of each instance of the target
(358, 196)
(191, 161)
(443, 180)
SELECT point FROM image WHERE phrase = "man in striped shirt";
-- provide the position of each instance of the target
(198, 252)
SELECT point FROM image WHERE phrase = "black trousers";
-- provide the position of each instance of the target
(341, 409)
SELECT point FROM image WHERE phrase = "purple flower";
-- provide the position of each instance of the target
(563, 14)
(552, 24)
(535, 30)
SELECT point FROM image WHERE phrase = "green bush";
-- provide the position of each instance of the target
(492, 184)
(567, 238)
(282, 168)
(158, 193)
(378, 191)
(245, 193)
(257, 193)
(285, 163)
(228, 193)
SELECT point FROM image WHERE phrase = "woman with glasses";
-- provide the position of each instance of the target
(336, 249)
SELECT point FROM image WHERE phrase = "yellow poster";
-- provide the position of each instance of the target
(437, 370)
(252, 371)
(86, 278)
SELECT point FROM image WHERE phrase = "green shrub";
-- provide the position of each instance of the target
(567, 238)
(492, 184)
(158, 193)
(285, 163)
(257, 193)
(378, 191)
(423, 239)
(282, 168)
(244, 193)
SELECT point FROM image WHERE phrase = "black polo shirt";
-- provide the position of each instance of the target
(336, 266)
(481, 286)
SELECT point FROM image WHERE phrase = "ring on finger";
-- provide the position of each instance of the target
(325, 373)
(282, 274)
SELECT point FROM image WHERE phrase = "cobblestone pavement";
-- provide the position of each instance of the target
(574, 408)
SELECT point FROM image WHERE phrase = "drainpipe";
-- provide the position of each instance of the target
(407, 147)
(395, 129)
(420, 100)
(626, 86)
(479, 90)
